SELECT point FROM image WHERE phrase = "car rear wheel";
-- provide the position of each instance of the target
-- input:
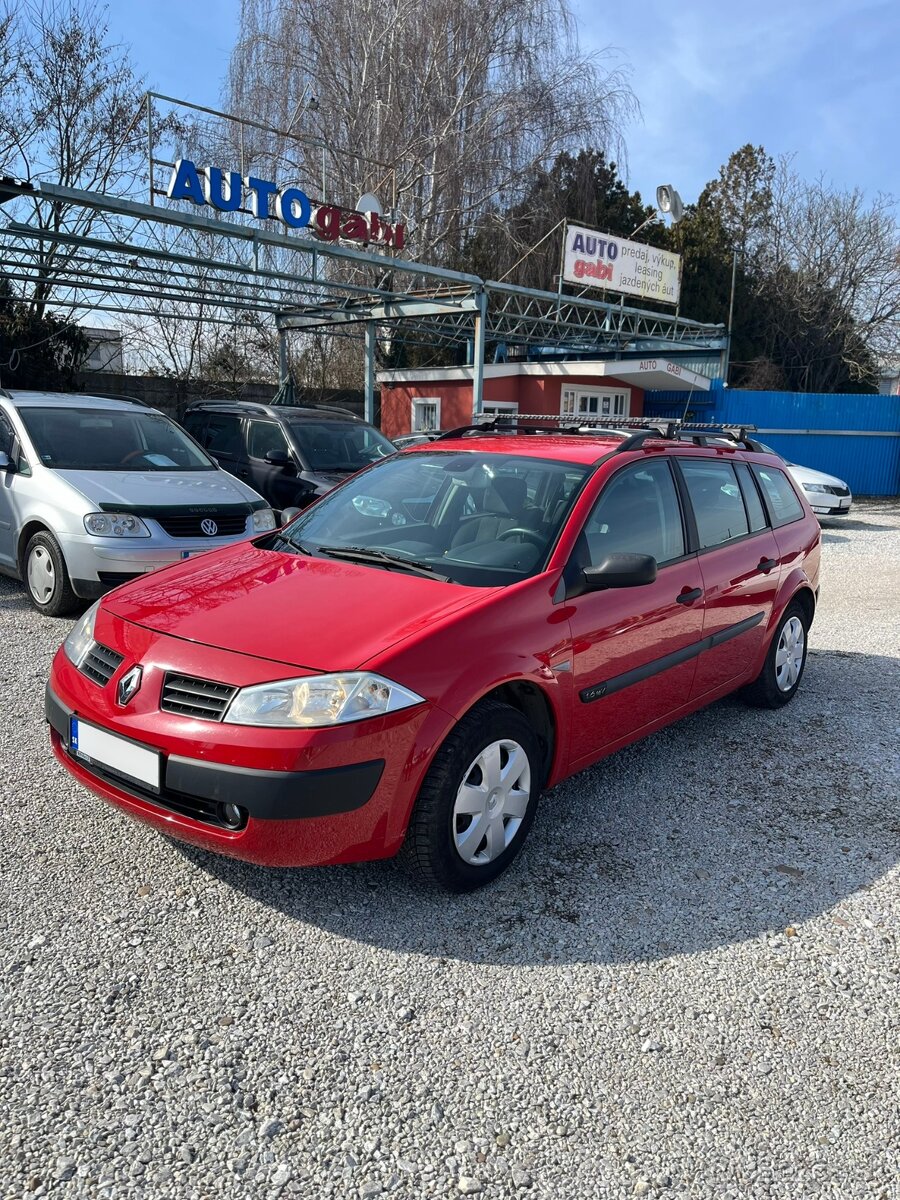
(478, 800)
(780, 677)
(46, 578)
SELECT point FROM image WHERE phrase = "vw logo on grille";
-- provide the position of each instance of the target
(129, 685)
(210, 528)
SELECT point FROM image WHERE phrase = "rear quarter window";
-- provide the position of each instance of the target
(781, 499)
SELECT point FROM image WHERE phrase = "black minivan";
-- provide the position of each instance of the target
(290, 455)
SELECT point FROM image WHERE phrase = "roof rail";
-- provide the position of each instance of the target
(116, 396)
(271, 410)
(645, 429)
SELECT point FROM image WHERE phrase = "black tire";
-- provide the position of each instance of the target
(61, 600)
(430, 848)
(765, 691)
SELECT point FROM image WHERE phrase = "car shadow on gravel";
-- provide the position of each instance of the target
(728, 826)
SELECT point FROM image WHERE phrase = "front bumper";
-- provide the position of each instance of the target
(824, 505)
(97, 564)
(309, 797)
(199, 789)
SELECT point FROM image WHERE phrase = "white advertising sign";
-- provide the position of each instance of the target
(600, 260)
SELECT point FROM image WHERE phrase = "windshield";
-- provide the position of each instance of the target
(109, 439)
(478, 519)
(339, 445)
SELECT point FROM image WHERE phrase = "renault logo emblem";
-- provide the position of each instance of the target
(210, 528)
(129, 685)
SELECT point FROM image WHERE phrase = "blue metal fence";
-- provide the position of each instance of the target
(854, 437)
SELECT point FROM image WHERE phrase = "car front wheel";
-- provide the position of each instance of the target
(46, 577)
(478, 800)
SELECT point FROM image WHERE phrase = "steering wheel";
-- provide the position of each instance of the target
(132, 454)
(528, 535)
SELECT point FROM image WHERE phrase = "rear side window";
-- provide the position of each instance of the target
(223, 434)
(716, 500)
(781, 498)
(637, 513)
(755, 511)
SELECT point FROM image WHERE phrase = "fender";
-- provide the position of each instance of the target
(794, 582)
(442, 721)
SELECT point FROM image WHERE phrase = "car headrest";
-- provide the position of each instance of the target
(507, 494)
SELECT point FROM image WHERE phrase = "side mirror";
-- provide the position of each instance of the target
(278, 458)
(620, 571)
(6, 463)
(288, 514)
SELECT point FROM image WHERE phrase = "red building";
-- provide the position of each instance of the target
(423, 398)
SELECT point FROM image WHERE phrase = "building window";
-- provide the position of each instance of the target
(584, 402)
(426, 414)
(499, 408)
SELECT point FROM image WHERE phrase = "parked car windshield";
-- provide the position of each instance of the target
(109, 439)
(339, 445)
(477, 519)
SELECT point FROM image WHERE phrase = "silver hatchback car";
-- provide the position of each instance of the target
(94, 492)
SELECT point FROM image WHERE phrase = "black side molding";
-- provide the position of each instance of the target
(628, 678)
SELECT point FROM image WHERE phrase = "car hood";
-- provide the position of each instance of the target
(808, 475)
(315, 613)
(159, 488)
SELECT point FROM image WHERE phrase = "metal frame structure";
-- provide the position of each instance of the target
(143, 259)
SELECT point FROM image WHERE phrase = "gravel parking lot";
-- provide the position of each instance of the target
(688, 987)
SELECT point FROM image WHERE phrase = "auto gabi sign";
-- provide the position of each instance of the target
(594, 259)
(229, 191)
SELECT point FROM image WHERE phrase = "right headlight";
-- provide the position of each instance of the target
(102, 524)
(81, 637)
(319, 700)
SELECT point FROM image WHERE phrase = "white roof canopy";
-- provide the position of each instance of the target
(660, 374)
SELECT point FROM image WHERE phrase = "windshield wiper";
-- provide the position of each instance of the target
(365, 554)
(286, 546)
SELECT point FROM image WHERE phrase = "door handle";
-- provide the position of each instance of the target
(689, 595)
(766, 565)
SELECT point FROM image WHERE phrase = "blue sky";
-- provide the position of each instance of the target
(817, 78)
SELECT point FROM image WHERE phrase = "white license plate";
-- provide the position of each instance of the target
(114, 754)
(193, 553)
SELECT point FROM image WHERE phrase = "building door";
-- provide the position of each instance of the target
(596, 402)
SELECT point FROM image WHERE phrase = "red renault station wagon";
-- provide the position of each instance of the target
(415, 658)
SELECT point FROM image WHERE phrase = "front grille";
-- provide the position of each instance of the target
(100, 664)
(183, 525)
(838, 491)
(196, 697)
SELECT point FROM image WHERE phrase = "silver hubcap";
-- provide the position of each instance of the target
(41, 576)
(491, 802)
(789, 655)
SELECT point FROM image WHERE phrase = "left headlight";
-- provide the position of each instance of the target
(81, 637)
(102, 524)
(263, 520)
(814, 487)
(319, 700)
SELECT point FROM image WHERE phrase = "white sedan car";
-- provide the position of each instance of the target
(827, 495)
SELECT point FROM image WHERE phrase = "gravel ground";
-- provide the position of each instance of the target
(689, 987)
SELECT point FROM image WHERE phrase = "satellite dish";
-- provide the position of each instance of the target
(668, 201)
(369, 203)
